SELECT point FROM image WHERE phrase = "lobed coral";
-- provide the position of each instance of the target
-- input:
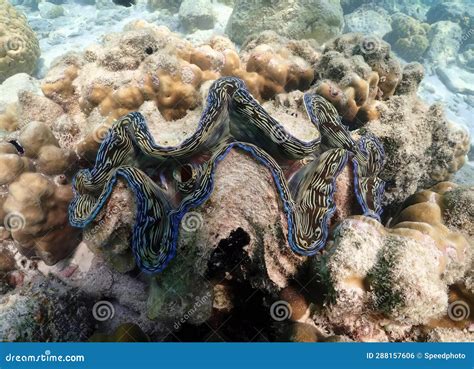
(427, 211)
(354, 72)
(367, 274)
(19, 50)
(34, 203)
(147, 63)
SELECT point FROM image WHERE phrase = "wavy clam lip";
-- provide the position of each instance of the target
(231, 120)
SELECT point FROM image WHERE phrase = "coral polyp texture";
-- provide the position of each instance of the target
(367, 274)
(230, 112)
(34, 209)
(293, 183)
(148, 63)
(354, 72)
(19, 47)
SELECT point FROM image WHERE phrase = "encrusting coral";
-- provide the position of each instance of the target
(421, 138)
(46, 309)
(367, 274)
(19, 47)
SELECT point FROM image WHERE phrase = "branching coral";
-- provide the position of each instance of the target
(19, 50)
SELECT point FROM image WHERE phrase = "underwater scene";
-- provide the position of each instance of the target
(236, 171)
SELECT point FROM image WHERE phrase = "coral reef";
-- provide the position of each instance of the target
(251, 176)
(49, 10)
(299, 19)
(10, 88)
(307, 200)
(454, 12)
(274, 64)
(172, 5)
(409, 37)
(365, 269)
(147, 63)
(445, 41)
(422, 148)
(35, 213)
(353, 72)
(34, 207)
(466, 59)
(19, 45)
(44, 310)
(196, 14)
(368, 20)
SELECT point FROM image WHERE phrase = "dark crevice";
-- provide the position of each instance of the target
(18, 147)
(228, 254)
(249, 320)
(126, 3)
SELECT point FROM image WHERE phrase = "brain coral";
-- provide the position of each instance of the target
(19, 47)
